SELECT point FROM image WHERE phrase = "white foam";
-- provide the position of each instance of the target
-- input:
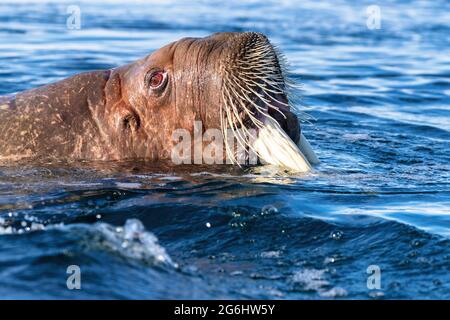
(310, 279)
(314, 280)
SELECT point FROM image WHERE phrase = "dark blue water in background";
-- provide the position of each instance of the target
(381, 195)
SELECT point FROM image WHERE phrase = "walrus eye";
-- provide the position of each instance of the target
(157, 79)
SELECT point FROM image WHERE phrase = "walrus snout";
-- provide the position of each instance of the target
(254, 82)
(254, 97)
(288, 120)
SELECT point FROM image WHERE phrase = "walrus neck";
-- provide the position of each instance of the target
(55, 121)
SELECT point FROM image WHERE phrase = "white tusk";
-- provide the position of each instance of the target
(307, 150)
(275, 147)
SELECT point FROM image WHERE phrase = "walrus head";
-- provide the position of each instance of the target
(231, 81)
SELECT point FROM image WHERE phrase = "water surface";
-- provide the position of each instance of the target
(381, 196)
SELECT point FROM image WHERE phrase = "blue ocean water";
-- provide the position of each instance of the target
(379, 99)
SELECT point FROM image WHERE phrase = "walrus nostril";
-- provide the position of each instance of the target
(131, 121)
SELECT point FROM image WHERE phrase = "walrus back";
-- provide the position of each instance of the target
(54, 120)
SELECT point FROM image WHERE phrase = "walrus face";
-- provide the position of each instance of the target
(230, 81)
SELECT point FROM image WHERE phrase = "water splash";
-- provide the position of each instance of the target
(134, 242)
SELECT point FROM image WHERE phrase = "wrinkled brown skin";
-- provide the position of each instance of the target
(114, 114)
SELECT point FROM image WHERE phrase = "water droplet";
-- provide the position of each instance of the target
(208, 225)
(269, 209)
(235, 214)
(337, 235)
(416, 243)
(329, 260)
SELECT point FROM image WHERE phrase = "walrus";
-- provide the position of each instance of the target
(230, 80)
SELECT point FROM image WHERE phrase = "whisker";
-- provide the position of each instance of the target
(251, 87)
